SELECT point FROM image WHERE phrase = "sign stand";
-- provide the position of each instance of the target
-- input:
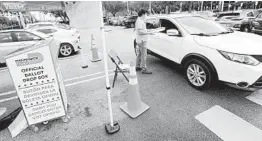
(38, 81)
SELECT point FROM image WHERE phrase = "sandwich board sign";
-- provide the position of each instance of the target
(36, 84)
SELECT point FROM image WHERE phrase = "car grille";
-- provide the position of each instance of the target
(258, 57)
(258, 83)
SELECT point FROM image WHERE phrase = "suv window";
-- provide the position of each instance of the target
(228, 14)
(5, 37)
(26, 36)
(259, 16)
(250, 14)
(167, 24)
(152, 24)
(47, 31)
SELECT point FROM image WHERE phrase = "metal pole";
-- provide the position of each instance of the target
(211, 5)
(150, 7)
(202, 5)
(127, 7)
(106, 66)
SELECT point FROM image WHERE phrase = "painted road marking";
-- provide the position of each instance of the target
(256, 97)
(7, 93)
(8, 99)
(228, 126)
(87, 80)
(66, 85)
(74, 78)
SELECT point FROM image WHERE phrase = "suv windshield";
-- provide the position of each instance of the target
(198, 25)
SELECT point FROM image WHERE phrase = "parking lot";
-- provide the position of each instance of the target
(176, 109)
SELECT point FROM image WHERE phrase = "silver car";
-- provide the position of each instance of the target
(11, 40)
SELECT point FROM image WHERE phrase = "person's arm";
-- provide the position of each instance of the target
(144, 32)
(141, 30)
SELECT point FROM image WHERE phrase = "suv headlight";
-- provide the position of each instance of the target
(243, 59)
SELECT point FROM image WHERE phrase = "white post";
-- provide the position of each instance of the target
(106, 66)
(256, 4)
(222, 7)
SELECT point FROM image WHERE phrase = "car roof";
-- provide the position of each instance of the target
(42, 23)
(173, 16)
(12, 30)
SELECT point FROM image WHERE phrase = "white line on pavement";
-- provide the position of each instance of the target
(228, 126)
(7, 93)
(66, 85)
(74, 78)
(83, 81)
(8, 99)
(256, 97)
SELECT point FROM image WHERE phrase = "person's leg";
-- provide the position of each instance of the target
(138, 58)
(143, 55)
(143, 58)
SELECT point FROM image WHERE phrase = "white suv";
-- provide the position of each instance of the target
(208, 52)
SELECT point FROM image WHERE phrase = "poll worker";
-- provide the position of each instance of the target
(141, 41)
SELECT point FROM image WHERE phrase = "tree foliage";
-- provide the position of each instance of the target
(114, 6)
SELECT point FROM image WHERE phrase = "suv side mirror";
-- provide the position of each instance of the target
(172, 32)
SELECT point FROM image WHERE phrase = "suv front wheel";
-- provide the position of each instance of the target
(198, 74)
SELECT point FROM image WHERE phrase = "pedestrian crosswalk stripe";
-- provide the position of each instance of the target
(228, 126)
(256, 97)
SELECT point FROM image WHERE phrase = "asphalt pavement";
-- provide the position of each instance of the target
(176, 109)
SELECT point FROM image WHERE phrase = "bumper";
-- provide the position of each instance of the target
(257, 30)
(233, 72)
(76, 45)
(241, 73)
(233, 25)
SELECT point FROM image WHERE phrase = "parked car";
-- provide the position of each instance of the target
(39, 24)
(237, 20)
(209, 52)
(11, 40)
(257, 24)
(114, 21)
(130, 21)
(110, 20)
(121, 21)
(69, 37)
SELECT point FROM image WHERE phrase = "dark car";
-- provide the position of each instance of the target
(130, 21)
(257, 24)
(237, 20)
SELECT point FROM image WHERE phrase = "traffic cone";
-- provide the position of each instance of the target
(134, 106)
(95, 56)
